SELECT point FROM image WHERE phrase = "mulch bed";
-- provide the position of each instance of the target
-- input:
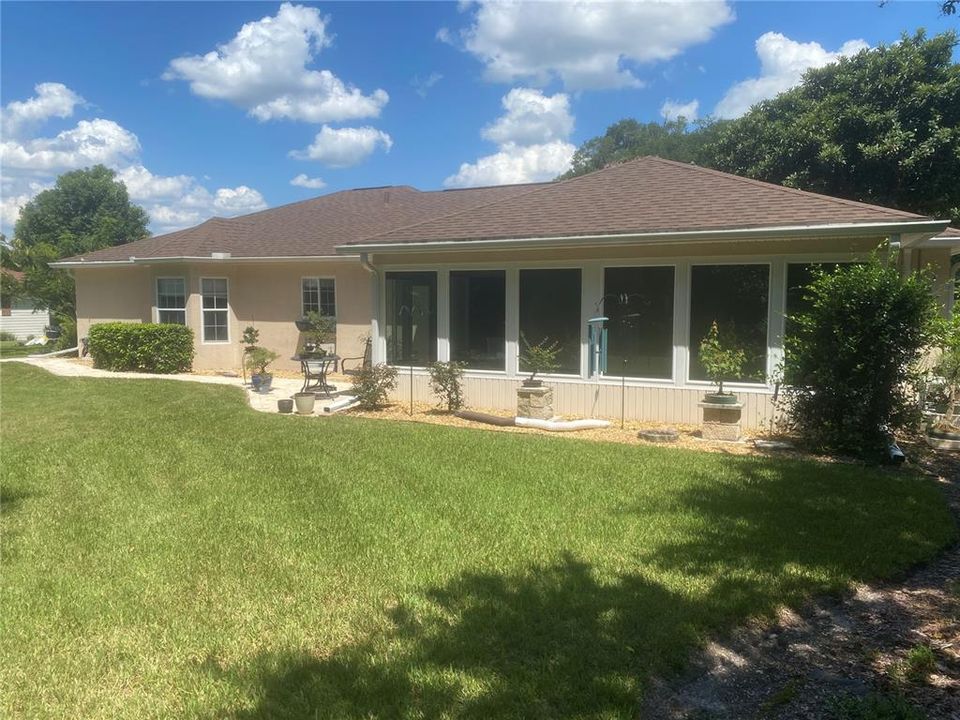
(798, 665)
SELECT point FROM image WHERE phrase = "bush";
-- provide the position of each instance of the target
(850, 361)
(6, 336)
(373, 384)
(446, 380)
(68, 333)
(143, 347)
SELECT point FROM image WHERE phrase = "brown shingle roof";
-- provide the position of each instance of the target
(311, 227)
(645, 195)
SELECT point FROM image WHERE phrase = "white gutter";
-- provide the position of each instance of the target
(926, 228)
(213, 258)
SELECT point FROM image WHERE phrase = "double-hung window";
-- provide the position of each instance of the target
(213, 292)
(319, 295)
(172, 301)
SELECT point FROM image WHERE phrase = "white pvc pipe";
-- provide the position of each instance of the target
(343, 403)
(561, 425)
(57, 353)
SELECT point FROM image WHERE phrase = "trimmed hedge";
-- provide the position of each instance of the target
(143, 347)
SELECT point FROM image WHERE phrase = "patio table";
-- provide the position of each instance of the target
(315, 371)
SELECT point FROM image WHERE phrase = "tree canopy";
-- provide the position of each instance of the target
(85, 210)
(881, 127)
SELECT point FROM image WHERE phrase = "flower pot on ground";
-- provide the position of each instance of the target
(305, 402)
(285, 405)
(721, 411)
(534, 399)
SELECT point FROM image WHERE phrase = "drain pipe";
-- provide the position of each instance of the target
(56, 353)
(374, 307)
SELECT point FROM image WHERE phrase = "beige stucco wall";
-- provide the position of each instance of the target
(266, 296)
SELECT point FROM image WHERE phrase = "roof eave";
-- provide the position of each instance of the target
(197, 259)
(911, 232)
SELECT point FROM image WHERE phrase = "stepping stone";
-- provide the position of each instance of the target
(666, 435)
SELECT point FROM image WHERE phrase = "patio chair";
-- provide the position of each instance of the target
(362, 362)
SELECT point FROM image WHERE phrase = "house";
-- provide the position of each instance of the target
(660, 248)
(19, 316)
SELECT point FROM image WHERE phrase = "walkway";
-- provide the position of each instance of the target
(264, 402)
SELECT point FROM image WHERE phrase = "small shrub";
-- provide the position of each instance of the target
(873, 707)
(540, 357)
(720, 362)
(6, 336)
(142, 347)
(68, 333)
(373, 384)
(446, 380)
(851, 358)
(919, 663)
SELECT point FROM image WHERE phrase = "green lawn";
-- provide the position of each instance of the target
(12, 348)
(168, 552)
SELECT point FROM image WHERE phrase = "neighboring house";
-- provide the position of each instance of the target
(17, 315)
(661, 248)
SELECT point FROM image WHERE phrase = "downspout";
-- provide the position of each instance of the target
(375, 356)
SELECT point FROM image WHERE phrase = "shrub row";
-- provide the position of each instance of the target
(143, 347)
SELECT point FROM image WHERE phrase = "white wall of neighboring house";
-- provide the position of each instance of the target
(23, 321)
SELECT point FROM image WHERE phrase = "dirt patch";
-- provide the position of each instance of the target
(856, 646)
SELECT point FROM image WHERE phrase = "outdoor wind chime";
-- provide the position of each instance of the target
(597, 331)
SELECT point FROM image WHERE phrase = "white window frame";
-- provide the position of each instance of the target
(591, 288)
(204, 311)
(318, 278)
(156, 297)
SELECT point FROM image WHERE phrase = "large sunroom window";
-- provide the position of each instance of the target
(735, 297)
(411, 318)
(550, 312)
(478, 311)
(172, 301)
(639, 304)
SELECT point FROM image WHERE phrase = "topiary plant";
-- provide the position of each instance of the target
(720, 363)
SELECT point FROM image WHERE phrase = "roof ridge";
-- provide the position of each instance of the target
(540, 187)
(773, 186)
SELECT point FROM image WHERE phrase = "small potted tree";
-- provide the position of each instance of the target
(248, 341)
(534, 400)
(721, 410)
(318, 330)
(258, 361)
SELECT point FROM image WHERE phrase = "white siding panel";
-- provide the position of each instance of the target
(24, 323)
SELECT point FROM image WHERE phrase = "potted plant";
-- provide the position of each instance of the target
(258, 361)
(944, 433)
(538, 358)
(534, 400)
(319, 330)
(721, 410)
(249, 340)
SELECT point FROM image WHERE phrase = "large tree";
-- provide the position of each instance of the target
(85, 210)
(627, 139)
(880, 127)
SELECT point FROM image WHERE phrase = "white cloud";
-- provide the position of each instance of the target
(51, 100)
(532, 138)
(343, 147)
(673, 109)
(531, 117)
(302, 180)
(263, 69)
(90, 142)
(515, 164)
(585, 44)
(422, 85)
(31, 164)
(782, 64)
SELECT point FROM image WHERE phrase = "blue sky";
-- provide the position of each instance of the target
(214, 108)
